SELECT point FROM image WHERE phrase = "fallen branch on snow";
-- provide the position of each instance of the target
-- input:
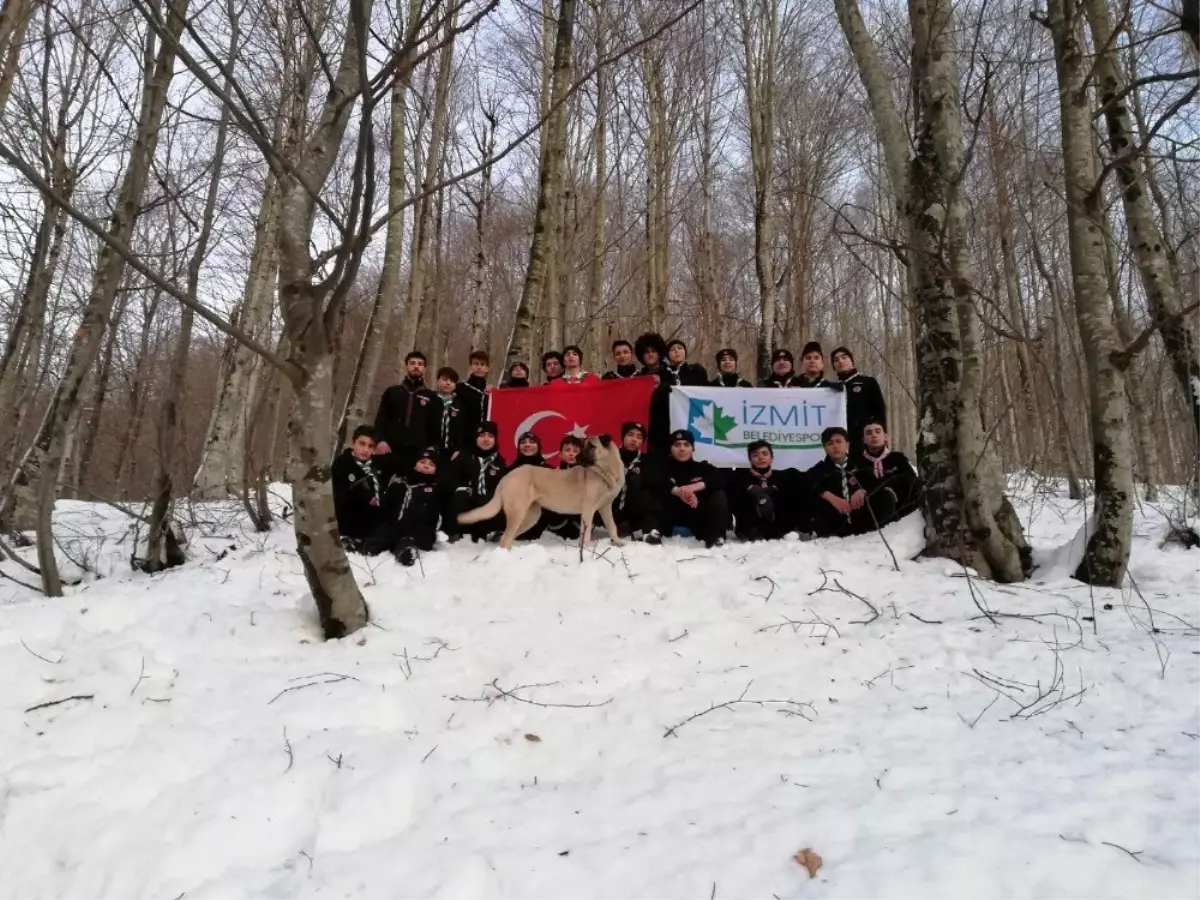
(511, 694)
(790, 708)
(63, 700)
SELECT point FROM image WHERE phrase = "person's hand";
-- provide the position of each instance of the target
(837, 502)
(374, 501)
(381, 448)
(858, 499)
(454, 455)
(489, 388)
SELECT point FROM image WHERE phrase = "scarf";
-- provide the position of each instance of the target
(447, 405)
(574, 379)
(627, 371)
(843, 468)
(369, 471)
(877, 461)
(729, 379)
(484, 462)
(763, 477)
(848, 376)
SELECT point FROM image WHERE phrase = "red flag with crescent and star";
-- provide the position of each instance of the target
(585, 410)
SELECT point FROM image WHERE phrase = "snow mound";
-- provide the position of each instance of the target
(649, 722)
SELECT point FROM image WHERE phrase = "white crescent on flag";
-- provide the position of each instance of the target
(528, 423)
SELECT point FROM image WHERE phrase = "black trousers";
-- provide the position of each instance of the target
(751, 524)
(635, 509)
(465, 501)
(879, 509)
(708, 521)
(418, 525)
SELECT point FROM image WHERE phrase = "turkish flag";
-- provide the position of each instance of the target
(585, 410)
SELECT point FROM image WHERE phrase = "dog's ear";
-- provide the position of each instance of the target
(606, 440)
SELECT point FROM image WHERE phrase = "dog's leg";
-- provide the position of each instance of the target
(587, 514)
(514, 516)
(531, 518)
(606, 517)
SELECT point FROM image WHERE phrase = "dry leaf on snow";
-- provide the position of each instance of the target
(534, 738)
(810, 859)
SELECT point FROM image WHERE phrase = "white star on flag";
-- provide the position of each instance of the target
(579, 431)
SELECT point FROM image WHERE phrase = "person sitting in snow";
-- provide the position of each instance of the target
(766, 502)
(633, 510)
(565, 526)
(727, 370)
(887, 470)
(479, 472)
(360, 483)
(840, 504)
(417, 498)
(690, 495)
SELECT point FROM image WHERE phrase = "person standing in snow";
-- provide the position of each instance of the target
(624, 365)
(552, 366)
(651, 351)
(727, 373)
(407, 418)
(887, 470)
(473, 396)
(782, 374)
(840, 505)
(690, 495)
(478, 474)
(573, 372)
(864, 399)
(449, 420)
(634, 508)
(682, 371)
(360, 483)
(812, 363)
(766, 502)
(417, 499)
(518, 376)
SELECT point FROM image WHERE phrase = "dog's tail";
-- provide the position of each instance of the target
(492, 508)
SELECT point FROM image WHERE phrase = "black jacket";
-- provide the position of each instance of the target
(864, 404)
(730, 379)
(539, 461)
(449, 422)
(479, 473)
(898, 476)
(671, 473)
(841, 481)
(791, 379)
(358, 499)
(665, 376)
(407, 417)
(417, 496)
(628, 371)
(688, 374)
(803, 381)
(473, 398)
(750, 491)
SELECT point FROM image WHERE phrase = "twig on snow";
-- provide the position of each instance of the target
(927, 621)
(300, 687)
(53, 662)
(797, 624)
(678, 637)
(429, 754)
(141, 675)
(287, 748)
(870, 682)
(511, 694)
(790, 708)
(1133, 854)
(771, 592)
(63, 700)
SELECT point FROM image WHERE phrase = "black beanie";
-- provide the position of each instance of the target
(429, 453)
(838, 350)
(488, 428)
(728, 351)
(632, 426)
(811, 347)
(681, 435)
(530, 436)
(781, 354)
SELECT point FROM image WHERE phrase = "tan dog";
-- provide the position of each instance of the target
(583, 491)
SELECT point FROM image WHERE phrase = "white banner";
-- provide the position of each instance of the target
(724, 421)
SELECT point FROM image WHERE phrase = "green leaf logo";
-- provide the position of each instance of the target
(722, 424)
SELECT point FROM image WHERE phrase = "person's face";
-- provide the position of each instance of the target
(519, 372)
(552, 367)
(362, 448)
(485, 441)
(727, 364)
(633, 440)
(837, 448)
(527, 447)
(813, 363)
(568, 453)
(842, 363)
(875, 437)
(415, 368)
(426, 466)
(682, 451)
(761, 458)
(446, 385)
(650, 357)
(676, 353)
(622, 354)
(781, 366)
(572, 359)
(480, 368)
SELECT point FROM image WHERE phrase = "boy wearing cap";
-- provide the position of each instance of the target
(635, 503)
(782, 375)
(518, 376)
(864, 399)
(418, 502)
(529, 453)
(727, 373)
(565, 526)
(690, 495)
(765, 501)
(841, 506)
(812, 368)
(682, 371)
(406, 422)
(479, 472)
(624, 363)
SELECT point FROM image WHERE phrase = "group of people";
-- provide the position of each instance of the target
(432, 455)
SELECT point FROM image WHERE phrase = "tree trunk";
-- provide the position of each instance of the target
(1146, 241)
(14, 21)
(482, 206)
(1107, 554)
(520, 342)
(44, 460)
(595, 295)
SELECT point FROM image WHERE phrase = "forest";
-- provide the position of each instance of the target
(223, 225)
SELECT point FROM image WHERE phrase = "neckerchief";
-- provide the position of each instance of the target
(574, 379)
(484, 462)
(369, 471)
(877, 461)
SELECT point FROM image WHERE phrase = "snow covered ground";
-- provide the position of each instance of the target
(523, 725)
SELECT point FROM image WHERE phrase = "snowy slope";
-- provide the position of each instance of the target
(227, 752)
